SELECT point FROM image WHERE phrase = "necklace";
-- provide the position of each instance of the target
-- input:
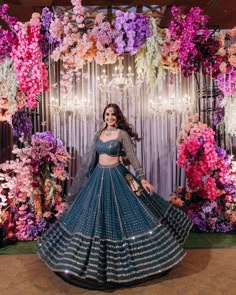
(109, 130)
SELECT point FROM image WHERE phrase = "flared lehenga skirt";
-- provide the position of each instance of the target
(109, 236)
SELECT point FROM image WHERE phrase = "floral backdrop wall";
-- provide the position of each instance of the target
(58, 50)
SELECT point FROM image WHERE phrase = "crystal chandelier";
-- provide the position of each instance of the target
(119, 80)
(172, 104)
(75, 105)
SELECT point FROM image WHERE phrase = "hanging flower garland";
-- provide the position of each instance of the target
(8, 90)
(47, 41)
(148, 58)
(132, 29)
(188, 30)
(22, 125)
(226, 76)
(219, 112)
(7, 38)
(31, 72)
(104, 34)
(11, 99)
(76, 45)
(170, 52)
(56, 28)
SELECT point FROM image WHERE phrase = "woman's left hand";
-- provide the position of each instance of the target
(147, 186)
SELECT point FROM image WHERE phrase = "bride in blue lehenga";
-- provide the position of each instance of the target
(117, 231)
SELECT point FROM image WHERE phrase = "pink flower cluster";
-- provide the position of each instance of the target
(104, 35)
(79, 44)
(230, 209)
(30, 198)
(76, 46)
(48, 155)
(78, 11)
(170, 54)
(230, 194)
(15, 190)
(31, 72)
(56, 28)
(226, 75)
(204, 163)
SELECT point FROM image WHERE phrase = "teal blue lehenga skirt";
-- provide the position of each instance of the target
(110, 237)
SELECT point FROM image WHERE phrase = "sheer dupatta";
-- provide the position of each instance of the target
(86, 167)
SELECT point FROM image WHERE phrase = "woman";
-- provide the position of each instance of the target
(117, 231)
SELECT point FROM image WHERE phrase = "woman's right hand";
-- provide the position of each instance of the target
(147, 186)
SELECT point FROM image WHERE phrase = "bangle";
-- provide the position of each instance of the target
(144, 181)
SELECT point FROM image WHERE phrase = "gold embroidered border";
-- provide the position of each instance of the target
(114, 252)
(118, 275)
(98, 261)
(107, 257)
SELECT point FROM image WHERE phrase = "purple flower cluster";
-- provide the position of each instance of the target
(48, 137)
(219, 112)
(46, 19)
(209, 218)
(7, 38)
(32, 228)
(133, 29)
(22, 124)
(230, 188)
(207, 215)
(227, 81)
(10, 20)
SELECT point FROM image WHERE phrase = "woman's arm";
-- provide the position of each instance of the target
(129, 150)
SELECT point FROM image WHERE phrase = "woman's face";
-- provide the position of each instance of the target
(110, 117)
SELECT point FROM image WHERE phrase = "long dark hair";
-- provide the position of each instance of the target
(122, 122)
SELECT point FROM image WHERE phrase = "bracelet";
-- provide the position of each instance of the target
(144, 182)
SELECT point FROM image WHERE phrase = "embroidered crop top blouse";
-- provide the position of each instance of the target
(115, 147)
(111, 147)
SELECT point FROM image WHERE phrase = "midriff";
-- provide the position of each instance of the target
(108, 160)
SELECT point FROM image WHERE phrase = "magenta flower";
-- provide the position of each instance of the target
(31, 72)
(189, 30)
(7, 37)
